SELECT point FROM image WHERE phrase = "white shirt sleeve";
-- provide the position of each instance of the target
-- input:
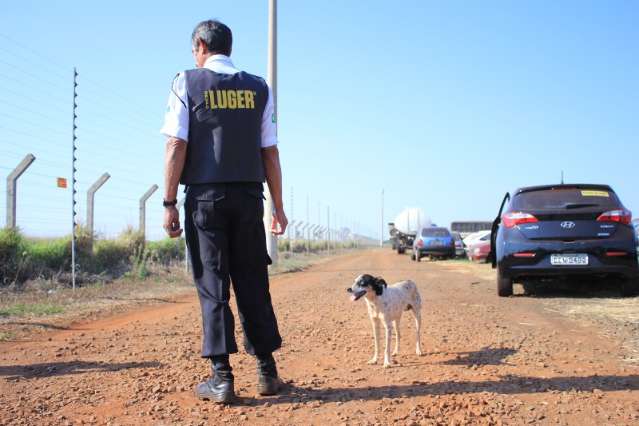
(269, 126)
(176, 118)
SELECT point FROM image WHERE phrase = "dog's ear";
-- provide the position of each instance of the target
(379, 286)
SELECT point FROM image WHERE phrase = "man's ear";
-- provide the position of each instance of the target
(201, 46)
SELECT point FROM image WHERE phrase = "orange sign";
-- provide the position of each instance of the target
(62, 183)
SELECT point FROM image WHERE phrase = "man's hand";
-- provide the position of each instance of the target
(279, 223)
(172, 222)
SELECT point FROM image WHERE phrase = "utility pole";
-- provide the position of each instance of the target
(381, 231)
(271, 77)
(328, 229)
(146, 196)
(12, 187)
(187, 262)
(90, 202)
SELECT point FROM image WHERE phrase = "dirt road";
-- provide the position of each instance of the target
(487, 360)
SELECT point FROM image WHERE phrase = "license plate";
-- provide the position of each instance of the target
(569, 259)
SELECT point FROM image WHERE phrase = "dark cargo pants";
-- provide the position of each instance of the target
(225, 236)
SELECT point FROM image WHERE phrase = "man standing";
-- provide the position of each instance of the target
(222, 145)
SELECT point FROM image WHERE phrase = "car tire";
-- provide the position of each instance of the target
(400, 250)
(504, 285)
(629, 287)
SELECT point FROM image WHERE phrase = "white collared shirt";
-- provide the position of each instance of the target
(176, 118)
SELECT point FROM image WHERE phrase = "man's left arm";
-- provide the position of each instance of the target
(273, 172)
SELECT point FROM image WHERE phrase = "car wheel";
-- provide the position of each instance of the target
(504, 285)
(629, 287)
(400, 250)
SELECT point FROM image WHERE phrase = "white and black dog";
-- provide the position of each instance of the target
(386, 304)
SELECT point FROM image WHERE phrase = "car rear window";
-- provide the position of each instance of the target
(565, 198)
(435, 232)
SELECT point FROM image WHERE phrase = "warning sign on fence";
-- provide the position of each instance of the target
(62, 183)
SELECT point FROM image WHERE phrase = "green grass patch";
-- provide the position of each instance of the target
(34, 309)
(6, 336)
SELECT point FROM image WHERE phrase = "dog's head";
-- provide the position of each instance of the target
(366, 284)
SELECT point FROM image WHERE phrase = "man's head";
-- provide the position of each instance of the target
(210, 38)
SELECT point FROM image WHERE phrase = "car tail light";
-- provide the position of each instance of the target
(616, 253)
(517, 218)
(420, 243)
(620, 216)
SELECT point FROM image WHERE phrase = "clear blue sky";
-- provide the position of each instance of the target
(445, 105)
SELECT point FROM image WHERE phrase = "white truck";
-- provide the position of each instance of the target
(405, 227)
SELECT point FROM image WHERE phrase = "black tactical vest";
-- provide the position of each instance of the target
(225, 127)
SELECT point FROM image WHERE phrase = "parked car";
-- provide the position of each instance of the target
(564, 231)
(434, 242)
(460, 248)
(475, 236)
(479, 248)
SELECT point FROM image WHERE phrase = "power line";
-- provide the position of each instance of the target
(34, 76)
(19, 56)
(50, 99)
(52, 130)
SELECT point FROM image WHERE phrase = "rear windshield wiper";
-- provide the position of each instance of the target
(580, 205)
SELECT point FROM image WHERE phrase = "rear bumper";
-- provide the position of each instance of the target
(437, 251)
(599, 263)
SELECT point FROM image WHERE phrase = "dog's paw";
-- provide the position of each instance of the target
(372, 361)
(419, 352)
(395, 353)
(387, 364)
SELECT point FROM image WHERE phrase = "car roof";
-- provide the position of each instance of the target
(563, 186)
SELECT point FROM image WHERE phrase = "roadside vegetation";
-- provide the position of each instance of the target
(98, 259)
(112, 274)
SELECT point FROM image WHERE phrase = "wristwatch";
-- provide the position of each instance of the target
(169, 203)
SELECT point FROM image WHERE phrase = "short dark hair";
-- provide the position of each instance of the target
(216, 36)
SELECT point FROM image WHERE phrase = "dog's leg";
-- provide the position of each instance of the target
(375, 323)
(418, 327)
(396, 328)
(387, 355)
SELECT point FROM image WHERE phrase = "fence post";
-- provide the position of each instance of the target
(90, 202)
(143, 199)
(12, 186)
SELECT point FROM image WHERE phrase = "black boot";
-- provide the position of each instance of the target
(268, 383)
(220, 387)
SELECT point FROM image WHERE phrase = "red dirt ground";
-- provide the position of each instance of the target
(487, 360)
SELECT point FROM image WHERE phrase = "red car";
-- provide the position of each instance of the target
(478, 250)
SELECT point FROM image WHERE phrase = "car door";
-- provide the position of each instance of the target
(492, 256)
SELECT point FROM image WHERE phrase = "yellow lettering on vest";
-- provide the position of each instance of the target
(240, 98)
(232, 99)
(206, 98)
(221, 98)
(250, 102)
(212, 100)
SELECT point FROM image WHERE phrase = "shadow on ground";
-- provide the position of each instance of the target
(506, 385)
(484, 356)
(65, 368)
